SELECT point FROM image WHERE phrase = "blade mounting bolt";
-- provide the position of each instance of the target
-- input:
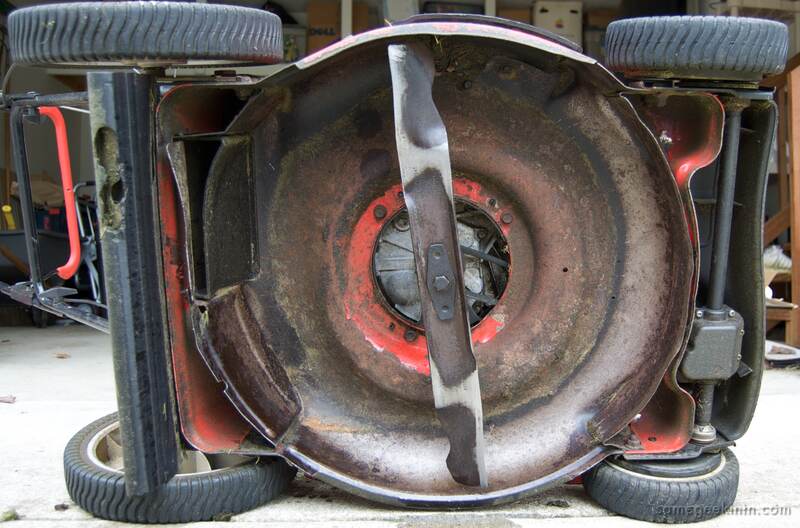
(401, 223)
(440, 282)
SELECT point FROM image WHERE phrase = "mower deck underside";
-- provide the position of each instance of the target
(291, 317)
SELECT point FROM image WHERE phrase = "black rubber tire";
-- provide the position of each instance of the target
(662, 499)
(185, 498)
(694, 47)
(86, 33)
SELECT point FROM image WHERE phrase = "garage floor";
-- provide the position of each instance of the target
(62, 379)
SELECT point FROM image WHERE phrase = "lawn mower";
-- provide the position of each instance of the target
(446, 263)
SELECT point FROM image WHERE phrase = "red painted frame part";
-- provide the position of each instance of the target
(689, 127)
(382, 328)
(71, 266)
(208, 420)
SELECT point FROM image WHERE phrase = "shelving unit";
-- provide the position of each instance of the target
(787, 92)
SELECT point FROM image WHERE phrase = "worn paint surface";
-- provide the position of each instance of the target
(689, 128)
(424, 159)
(597, 213)
(363, 304)
(207, 419)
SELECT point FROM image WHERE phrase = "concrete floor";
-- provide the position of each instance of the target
(62, 379)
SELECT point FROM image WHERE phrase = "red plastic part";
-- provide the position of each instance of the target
(71, 267)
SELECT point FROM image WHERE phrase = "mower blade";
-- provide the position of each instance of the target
(427, 187)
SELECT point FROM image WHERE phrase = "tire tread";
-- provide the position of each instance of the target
(655, 500)
(729, 48)
(185, 498)
(109, 32)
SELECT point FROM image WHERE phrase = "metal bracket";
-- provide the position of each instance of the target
(441, 279)
(715, 346)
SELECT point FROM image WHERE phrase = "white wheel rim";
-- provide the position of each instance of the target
(100, 439)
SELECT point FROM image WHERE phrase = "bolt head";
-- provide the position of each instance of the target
(379, 212)
(507, 218)
(699, 314)
(410, 335)
(732, 313)
(401, 223)
(704, 433)
(440, 283)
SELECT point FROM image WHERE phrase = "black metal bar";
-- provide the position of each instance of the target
(737, 397)
(723, 214)
(704, 431)
(25, 197)
(123, 130)
(705, 403)
(76, 99)
(54, 302)
(484, 256)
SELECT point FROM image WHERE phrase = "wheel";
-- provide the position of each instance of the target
(684, 47)
(216, 485)
(143, 32)
(670, 491)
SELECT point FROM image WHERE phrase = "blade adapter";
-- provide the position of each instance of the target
(424, 156)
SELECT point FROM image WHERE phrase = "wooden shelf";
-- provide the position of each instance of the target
(787, 96)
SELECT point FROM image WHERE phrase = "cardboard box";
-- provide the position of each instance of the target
(562, 18)
(518, 14)
(600, 18)
(360, 17)
(325, 22)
